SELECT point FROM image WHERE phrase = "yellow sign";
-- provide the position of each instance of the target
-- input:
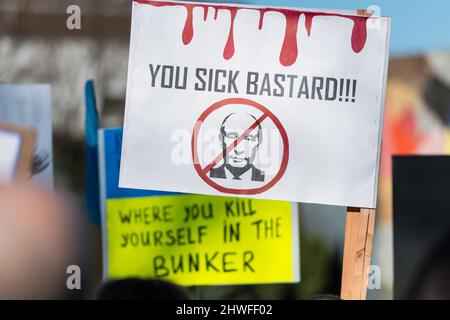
(202, 240)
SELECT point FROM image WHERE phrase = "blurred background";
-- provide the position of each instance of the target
(36, 47)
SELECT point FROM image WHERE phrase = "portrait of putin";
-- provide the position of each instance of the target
(238, 163)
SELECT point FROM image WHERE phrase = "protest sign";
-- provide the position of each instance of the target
(193, 239)
(9, 156)
(271, 103)
(29, 105)
(16, 147)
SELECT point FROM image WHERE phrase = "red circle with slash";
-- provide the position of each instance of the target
(202, 172)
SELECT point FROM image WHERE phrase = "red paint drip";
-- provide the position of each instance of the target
(228, 52)
(205, 13)
(289, 50)
(359, 33)
(262, 12)
(188, 31)
(308, 22)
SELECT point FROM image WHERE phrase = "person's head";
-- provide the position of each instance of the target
(233, 126)
(38, 241)
(326, 296)
(141, 289)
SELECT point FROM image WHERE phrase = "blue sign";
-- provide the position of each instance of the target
(112, 146)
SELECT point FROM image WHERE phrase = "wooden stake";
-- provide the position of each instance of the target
(364, 12)
(28, 142)
(359, 228)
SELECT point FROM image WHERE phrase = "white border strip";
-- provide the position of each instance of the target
(102, 182)
(296, 275)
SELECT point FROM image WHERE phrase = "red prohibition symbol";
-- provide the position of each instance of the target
(203, 171)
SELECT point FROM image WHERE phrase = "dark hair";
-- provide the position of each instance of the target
(141, 289)
(325, 297)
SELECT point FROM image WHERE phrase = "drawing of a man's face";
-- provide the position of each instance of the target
(233, 126)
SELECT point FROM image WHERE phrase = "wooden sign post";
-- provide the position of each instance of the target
(25, 152)
(359, 228)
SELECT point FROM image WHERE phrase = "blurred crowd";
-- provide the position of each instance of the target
(44, 231)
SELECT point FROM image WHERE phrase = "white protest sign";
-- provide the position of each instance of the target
(30, 105)
(16, 149)
(261, 102)
(10, 143)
